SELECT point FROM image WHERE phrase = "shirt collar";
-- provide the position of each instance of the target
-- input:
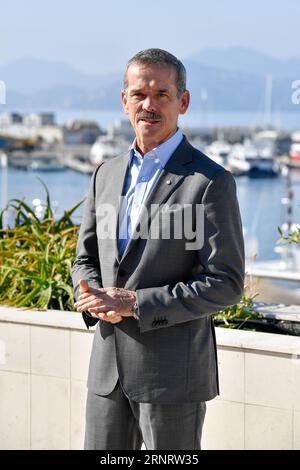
(163, 151)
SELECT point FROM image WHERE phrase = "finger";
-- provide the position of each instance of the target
(84, 297)
(91, 304)
(93, 314)
(93, 294)
(116, 320)
(113, 316)
(83, 285)
(88, 296)
(85, 303)
(113, 319)
(111, 313)
(100, 309)
(103, 316)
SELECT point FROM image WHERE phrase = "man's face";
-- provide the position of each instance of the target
(152, 103)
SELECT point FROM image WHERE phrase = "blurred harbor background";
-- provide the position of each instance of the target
(265, 162)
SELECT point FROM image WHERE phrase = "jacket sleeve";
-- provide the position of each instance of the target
(219, 281)
(87, 265)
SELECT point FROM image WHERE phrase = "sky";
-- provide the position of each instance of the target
(98, 36)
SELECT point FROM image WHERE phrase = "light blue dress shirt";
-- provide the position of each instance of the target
(141, 175)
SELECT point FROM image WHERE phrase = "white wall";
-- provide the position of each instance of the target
(44, 360)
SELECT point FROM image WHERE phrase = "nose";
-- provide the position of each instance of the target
(149, 104)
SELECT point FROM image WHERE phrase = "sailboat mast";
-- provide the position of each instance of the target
(268, 101)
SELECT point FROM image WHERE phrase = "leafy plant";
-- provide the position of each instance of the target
(236, 316)
(292, 237)
(36, 257)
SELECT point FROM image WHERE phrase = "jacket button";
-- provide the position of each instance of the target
(122, 272)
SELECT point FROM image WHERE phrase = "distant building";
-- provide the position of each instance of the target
(82, 132)
(51, 134)
(39, 119)
(8, 119)
(121, 128)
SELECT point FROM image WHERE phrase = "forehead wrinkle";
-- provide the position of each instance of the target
(153, 84)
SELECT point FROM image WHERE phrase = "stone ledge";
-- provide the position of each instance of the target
(240, 339)
(50, 318)
(254, 340)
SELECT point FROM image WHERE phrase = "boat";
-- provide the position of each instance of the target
(36, 161)
(252, 160)
(218, 151)
(293, 159)
(295, 152)
(198, 143)
(107, 147)
(46, 164)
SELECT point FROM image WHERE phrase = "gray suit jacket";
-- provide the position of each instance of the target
(169, 355)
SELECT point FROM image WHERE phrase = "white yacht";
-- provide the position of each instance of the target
(107, 147)
(295, 152)
(218, 151)
(198, 143)
(252, 160)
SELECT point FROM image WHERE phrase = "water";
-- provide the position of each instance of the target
(262, 211)
(259, 199)
(66, 188)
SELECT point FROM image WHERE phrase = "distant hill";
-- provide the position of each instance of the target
(233, 79)
(245, 60)
(29, 75)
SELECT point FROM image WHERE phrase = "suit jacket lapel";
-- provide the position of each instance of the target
(115, 197)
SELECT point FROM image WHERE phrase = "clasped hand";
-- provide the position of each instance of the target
(107, 303)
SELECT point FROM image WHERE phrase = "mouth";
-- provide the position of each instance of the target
(149, 122)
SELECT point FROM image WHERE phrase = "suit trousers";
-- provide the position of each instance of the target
(115, 422)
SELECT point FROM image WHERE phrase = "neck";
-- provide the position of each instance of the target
(145, 147)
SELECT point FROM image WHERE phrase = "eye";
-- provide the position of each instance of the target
(162, 93)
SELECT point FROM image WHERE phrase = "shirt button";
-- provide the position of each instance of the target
(143, 178)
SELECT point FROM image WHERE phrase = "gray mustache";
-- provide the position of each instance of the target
(148, 115)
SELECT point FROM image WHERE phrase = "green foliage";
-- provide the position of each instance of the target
(291, 238)
(36, 256)
(237, 315)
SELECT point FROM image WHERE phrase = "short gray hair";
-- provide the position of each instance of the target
(159, 56)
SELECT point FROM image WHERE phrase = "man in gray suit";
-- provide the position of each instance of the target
(160, 250)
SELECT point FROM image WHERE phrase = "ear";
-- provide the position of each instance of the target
(124, 101)
(184, 102)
